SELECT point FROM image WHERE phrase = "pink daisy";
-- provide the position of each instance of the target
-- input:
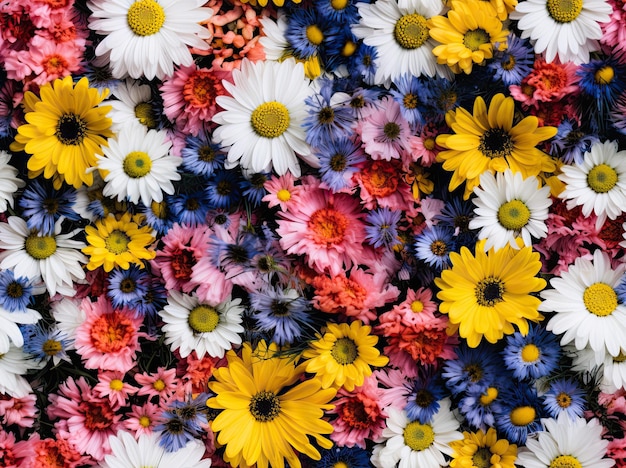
(108, 339)
(282, 191)
(327, 229)
(111, 384)
(417, 307)
(49, 453)
(21, 411)
(142, 419)
(423, 146)
(161, 384)
(395, 385)
(384, 132)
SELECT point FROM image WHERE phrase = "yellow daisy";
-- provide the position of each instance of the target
(481, 450)
(485, 295)
(267, 413)
(66, 127)
(343, 356)
(118, 242)
(488, 140)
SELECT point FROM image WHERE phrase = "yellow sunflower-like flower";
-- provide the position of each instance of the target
(485, 295)
(468, 35)
(65, 130)
(268, 414)
(488, 140)
(343, 356)
(480, 449)
(118, 242)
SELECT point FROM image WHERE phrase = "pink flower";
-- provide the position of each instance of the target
(7, 442)
(196, 372)
(212, 285)
(547, 82)
(282, 191)
(417, 307)
(142, 419)
(381, 185)
(614, 31)
(112, 385)
(384, 132)
(49, 453)
(161, 384)
(20, 411)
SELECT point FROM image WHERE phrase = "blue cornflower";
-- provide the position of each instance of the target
(532, 356)
(433, 246)
(518, 412)
(423, 401)
(201, 156)
(45, 343)
(442, 96)
(16, 294)
(100, 77)
(602, 80)
(362, 98)
(337, 53)
(409, 92)
(382, 227)
(283, 313)
(476, 367)
(362, 64)
(457, 215)
(338, 12)
(329, 117)
(564, 395)
(308, 32)
(223, 190)
(190, 208)
(236, 257)
(158, 215)
(43, 205)
(193, 413)
(348, 457)
(253, 187)
(127, 287)
(154, 299)
(477, 404)
(514, 63)
(571, 143)
(175, 432)
(338, 161)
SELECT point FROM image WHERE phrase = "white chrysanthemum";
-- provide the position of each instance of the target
(568, 30)
(9, 329)
(191, 325)
(148, 37)
(9, 182)
(566, 442)
(55, 259)
(132, 106)
(509, 206)
(598, 185)
(14, 364)
(262, 122)
(586, 305)
(401, 38)
(126, 452)
(139, 166)
(413, 444)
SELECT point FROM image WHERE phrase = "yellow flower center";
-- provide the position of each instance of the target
(144, 421)
(283, 195)
(270, 119)
(438, 247)
(411, 31)
(565, 461)
(417, 306)
(418, 436)
(495, 143)
(602, 178)
(605, 75)
(137, 164)
(314, 34)
(489, 291)
(429, 143)
(600, 299)
(564, 11)
(410, 101)
(344, 351)
(474, 38)
(158, 385)
(338, 4)
(40, 247)
(509, 63)
(621, 357)
(116, 385)
(51, 347)
(203, 319)
(348, 49)
(488, 397)
(329, 225)
(482, 458)
(513, 215)
(264, 406)
(145, 17)
(117, 242)
(340, 464)
(71, 129)
(563, 400)
(530, 353)
(159, 209)
(523, 415)
(338, 162)
(145, 114)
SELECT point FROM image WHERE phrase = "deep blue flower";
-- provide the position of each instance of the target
(126, 287)
(329, 116)
(410, 93)
(423, 401)
(476, 367)
(190, 208)
(442, 96)
(253, 187)
(518, 412)
(348, 457)
(193, 413)
(338, 12)
(338, 162)
(602, 80)
(201, 156)
(43, 205)
(478, 403)
(16, 294)
(362, 64)
(223, 190)
(308, 32)
(433, 246)
(158, 215)
(153, 300)
(532, 356)
(382, 227)
(175, 433)
(514, 63)
(45, 343)
(571, 142)
(457, 215)
(336, 53)
(564, 395)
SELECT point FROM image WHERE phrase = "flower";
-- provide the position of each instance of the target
(483, 449)
(66, 127)
(133, 106)
(9, 182)
(14, 365)
(517, 412)
(532, 356)
(268, 414)
(148, 37)
(565, 396)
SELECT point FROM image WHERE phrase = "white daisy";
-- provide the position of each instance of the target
(148, 37)
(401, 38)
(9, 182)
(566, 442)
(586, 305)
(9, 329)
(14, 364)
(55, 259)
(262, 121)
(509, 206)
(413, 444)
(137, 165)
(191, 325)
(69, 316)
(132, 107)
(126, 452)
(273, 40)
(567, 30)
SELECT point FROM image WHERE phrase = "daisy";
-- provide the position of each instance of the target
(138, 166)
(532, 356)
(9, 326)
(586, 305)
(568, 31)
(517, 412)
(483, 449)
(9, 182)
(265, 130)
(509, 206)
(565, 396)
(148, 37)
(400, 37)
(133, 106)
(14, 365)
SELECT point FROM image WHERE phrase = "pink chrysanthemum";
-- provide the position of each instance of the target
(161, 384)
(417, 307)
(48, 453)
(213, 287)
(381, 185)
(326, 228)
(142, 420)
(547, 82)
(112, 385)
(7, 444)
(395, 385)
(614, 31)
(20, 411)
(384, 132)
(196, 372)
(108, 339)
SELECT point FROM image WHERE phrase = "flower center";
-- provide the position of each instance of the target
(116, 385)
(279, 308)
(283, 195)
(264, 406)
(565, 461)
(40, 247)
(602, 178)
(98, 417)
(203, 319)
(329, 225)
(530, 353)
(513, 215)
(145, 17)
(111, 333)
(418, 436)
(341, 464)
(270, 119)
(600, 299)
(508, 63)
(411, 31)
(15, 290)
(438, 248)
(489, 291)
(423, 398)
(605, 75)
(71, 129)
(338, 162)
(410, 101)
(326, 115)
(128, 285)
(199, 90)
(314, 34)
(564, 11)
(137, 164)
(51, 205)
(159, 209)
(495, 143)
(338, 4)
(417, 306)
(52, 347)
(182, 264)
(391, 130)
(344, 351)
(117, 242)
(144, 421)
(563, 400)
(523, 415)
(206, 154)
(621, 357)
(145, 114)
(482, 458)
(487, 398)
(158, 385)
(475, 38)
(474, 372)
